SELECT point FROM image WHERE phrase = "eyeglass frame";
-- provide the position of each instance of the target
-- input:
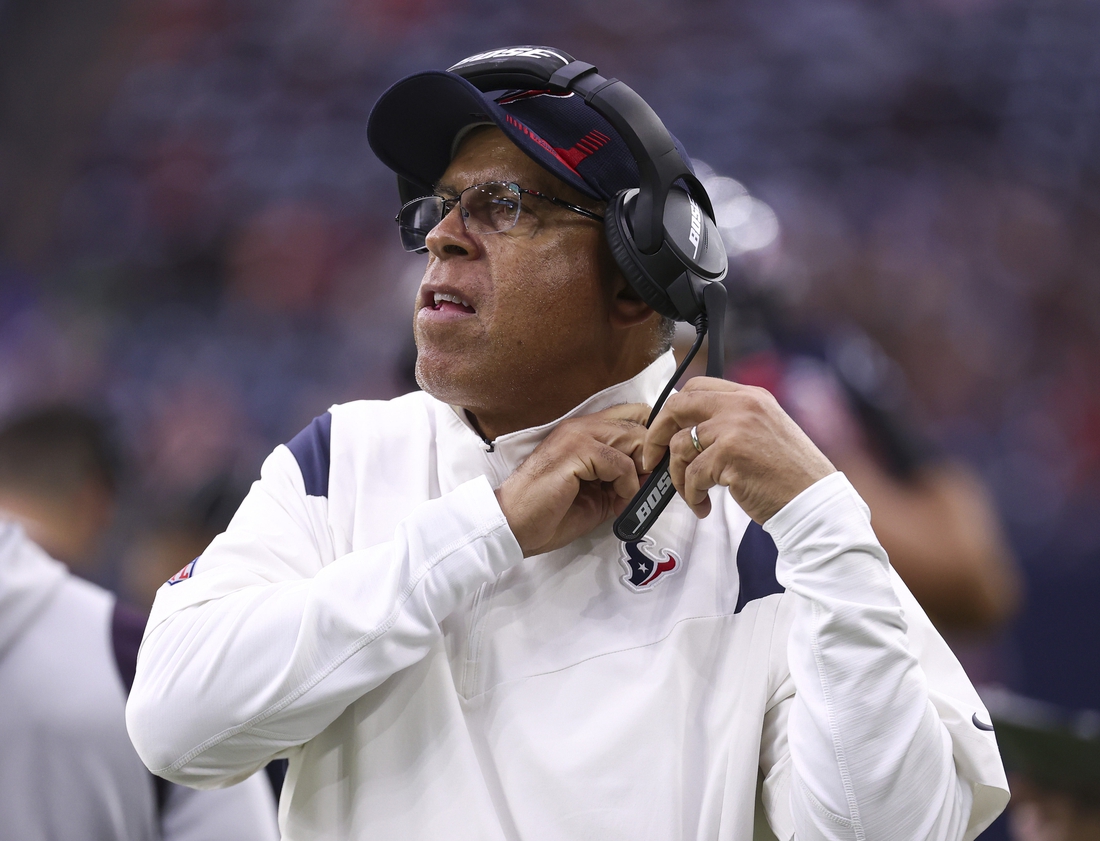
(449, 204)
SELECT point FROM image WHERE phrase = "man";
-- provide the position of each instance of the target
(67, 655)
(68, 770)
(58, 477)
(422, 604)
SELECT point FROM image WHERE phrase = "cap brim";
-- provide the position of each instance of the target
(413, 126)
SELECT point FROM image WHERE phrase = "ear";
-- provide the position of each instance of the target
(627, 307)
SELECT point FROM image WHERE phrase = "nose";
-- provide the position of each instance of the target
(450, 238)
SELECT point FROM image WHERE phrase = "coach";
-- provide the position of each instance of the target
(422, 604)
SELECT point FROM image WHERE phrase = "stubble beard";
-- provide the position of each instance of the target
(495, 381)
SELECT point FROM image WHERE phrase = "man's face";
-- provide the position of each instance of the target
(535, 338)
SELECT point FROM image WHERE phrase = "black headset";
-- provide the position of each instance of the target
(662, 233)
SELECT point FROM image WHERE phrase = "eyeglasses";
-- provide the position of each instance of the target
(489, 208)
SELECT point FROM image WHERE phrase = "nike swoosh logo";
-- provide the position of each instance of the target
(981, 725)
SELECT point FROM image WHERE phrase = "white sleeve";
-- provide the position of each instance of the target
(242, 812)
(267, 644)
(867, 755)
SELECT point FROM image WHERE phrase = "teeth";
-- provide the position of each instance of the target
(454, 299)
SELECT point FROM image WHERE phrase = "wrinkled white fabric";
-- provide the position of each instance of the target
(383, 631)
(68, 769)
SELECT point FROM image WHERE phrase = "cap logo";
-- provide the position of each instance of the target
(513, 121)
(513, 52)
(587, 145)
(584, 147)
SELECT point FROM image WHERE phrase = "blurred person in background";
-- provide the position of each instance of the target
(59, 474)
(68, 650)
(173, 533)
(1052, 813)
(933, 514)
(1052, 755)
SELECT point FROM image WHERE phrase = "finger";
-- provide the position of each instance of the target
(629, 440)
(683, 453)
(681, 411)
(694, 406)
(699, 477)
(633, 412)
(626, 435)
(710, 384)
(621, 471)
(594, 503)
(623, 437)
(604, 463)
(627, 485)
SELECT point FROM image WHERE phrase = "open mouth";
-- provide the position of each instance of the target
(446, 302)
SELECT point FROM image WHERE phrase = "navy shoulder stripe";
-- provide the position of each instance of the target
(311, 450)
(127, 629)
(756, 557)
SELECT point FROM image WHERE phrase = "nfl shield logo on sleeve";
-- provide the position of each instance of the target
(184, 573)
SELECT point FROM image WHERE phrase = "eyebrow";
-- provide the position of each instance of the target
(442, 187)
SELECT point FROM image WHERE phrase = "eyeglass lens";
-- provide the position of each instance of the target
(486, 209)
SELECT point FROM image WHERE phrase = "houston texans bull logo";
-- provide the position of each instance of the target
(642, 570)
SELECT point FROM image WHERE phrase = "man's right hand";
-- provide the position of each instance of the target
(586, 471)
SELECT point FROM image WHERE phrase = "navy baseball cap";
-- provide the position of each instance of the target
(416, 125)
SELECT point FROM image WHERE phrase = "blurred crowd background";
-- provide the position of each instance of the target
(197, 246)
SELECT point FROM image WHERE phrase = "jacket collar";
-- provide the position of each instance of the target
(510, 450)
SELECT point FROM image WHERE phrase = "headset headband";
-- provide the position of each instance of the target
(659, 162)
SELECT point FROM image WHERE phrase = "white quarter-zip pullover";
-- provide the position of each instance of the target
(369, 615)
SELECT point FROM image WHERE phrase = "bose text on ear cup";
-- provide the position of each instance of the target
(664, 279)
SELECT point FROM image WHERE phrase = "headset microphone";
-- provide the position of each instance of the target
(658, 490)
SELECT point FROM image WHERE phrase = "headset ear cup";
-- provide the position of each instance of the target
(620, 240)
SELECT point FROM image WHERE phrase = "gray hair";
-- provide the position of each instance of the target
(666, 332)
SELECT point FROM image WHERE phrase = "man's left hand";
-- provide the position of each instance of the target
(749, 445)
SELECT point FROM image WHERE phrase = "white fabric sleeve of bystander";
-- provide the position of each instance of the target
(863, 752)
(267, 644)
